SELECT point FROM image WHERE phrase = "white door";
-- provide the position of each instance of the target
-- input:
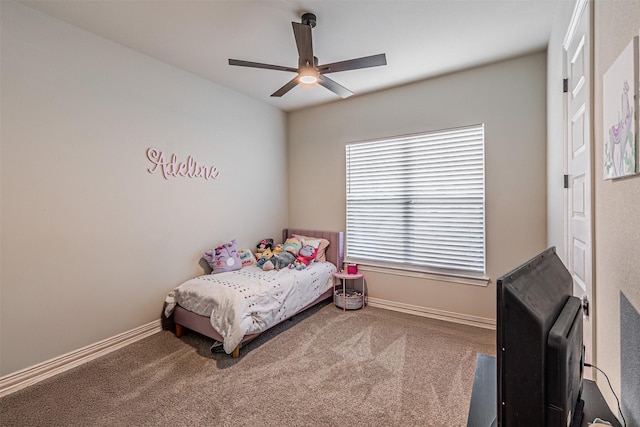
(578, 152)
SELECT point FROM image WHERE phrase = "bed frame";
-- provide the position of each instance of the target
(185, 319)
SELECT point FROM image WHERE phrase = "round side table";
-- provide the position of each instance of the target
(343, 277)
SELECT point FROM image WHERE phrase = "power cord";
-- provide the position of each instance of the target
(589, 365)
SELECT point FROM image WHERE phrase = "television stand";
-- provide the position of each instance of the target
(484, 398)
(578, 413)
(595, 406)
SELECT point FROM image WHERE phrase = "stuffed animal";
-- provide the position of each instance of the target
(277, 249)
(268, 266)
(305, 256)
(262, 245)
(224, 258)
(279, 261)
(298, 264)
(264, 257)
(293, 245)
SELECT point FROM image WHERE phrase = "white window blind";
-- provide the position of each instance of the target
(418, 200)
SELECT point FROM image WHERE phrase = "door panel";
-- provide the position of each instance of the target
(578, 149)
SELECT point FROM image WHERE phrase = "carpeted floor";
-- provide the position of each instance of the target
(369, 367)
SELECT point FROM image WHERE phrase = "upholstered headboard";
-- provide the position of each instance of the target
(335, 251)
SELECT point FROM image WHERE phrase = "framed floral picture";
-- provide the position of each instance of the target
(620, 85)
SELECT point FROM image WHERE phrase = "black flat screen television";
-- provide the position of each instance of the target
(540, 353)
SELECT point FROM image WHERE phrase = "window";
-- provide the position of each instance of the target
(416, 202)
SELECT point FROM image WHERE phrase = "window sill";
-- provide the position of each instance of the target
(460, 279)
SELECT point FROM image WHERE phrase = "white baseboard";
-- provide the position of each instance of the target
(465, 319)
(29, 376)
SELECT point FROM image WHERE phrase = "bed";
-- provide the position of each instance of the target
(239, 324)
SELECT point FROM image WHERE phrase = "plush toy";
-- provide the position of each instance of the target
(293, 245)
(262, 245)
(277, 249)
(305, 256)
(224, 258)
(279, 261)
(264, 257)
(268, 266)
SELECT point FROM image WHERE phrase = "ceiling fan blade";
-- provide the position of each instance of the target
(286, 88)
(261, 65)
(338, 89)
(354, 64)
(302, 33)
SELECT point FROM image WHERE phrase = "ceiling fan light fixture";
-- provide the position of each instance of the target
(308, 76)
(308, 79)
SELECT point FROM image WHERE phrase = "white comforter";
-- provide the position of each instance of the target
(251, 300)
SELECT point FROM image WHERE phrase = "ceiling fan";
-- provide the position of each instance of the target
(308, 70)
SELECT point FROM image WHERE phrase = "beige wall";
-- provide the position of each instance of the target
(91, 241)
(617, 206)
(509, 97)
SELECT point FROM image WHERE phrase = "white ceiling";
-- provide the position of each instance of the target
(421, 39)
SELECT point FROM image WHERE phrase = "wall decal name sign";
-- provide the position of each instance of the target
(173, 168)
